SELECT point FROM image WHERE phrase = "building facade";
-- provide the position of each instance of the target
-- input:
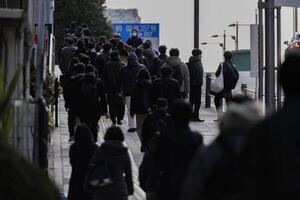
(123, 16)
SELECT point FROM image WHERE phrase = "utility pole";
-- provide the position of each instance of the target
(295, 20)
(196, 23)
(237, 36)
(278, 57)
(39, 75)
(261, 52)
(270, 57)
(224, 47)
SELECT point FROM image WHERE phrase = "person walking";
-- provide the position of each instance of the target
(141, 100)
(172, 152)
(196, 81)
(180, 72)
(153, 64)
(81, 151)
(128, 78)
(134, 41)
(162, 54)
(166, 87)
(111, 79)
(270, 158)
(230, 76)
(103, 58)
(112, 161)
(66, 56)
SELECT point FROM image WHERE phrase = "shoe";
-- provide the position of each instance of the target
(72, 139)
(119, 123)
(131, 130)
(114, 124)
(198, 120)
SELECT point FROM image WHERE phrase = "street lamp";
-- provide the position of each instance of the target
(236, 25)
(214, 43)
(224, 37)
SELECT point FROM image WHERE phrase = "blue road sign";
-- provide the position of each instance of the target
(146, 32)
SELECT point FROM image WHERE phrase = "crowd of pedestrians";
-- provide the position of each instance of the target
(250, 159)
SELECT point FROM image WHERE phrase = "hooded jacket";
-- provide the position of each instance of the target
(196, 71)
(128, 75)
(175, 61)
(118, 161)
(141, 98)
(153, 65)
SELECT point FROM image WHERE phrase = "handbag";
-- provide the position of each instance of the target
(218, 85)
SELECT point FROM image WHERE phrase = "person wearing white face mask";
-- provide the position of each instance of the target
(134, 40)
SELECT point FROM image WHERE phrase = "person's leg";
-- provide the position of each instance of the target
(119, 113)
(228, 96)
(113, 112)
(71, 119)
(218, 103)
(139, 123)
(131, 120)
(197, 103)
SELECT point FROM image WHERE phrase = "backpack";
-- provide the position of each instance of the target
(234, 77)
(177, 74)
(88, 93)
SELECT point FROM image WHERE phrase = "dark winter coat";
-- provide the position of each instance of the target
(172, 154)
(196, 71)
(79, 158)
(163, 58)
(100, 61)
(141, 98)
(227, 73)
(128, 75)
(134, 42)
(271, 162)
(166, 87)
(120, 169)
(66, 56)
(111, 72)
(153, 64)
(153, 124)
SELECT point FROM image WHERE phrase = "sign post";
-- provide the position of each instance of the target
(146, 32)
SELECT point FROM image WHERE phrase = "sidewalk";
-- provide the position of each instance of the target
(59, 165)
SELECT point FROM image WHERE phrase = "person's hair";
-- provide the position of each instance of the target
(174, 52)
(102, 39)
(114, 133)
(84, 59)
(114, 42)
(80, 44)
(90, 68)
(120, 45)
(69, 41)
(84, 25)
(75, 61)
(107, 47)
(147, 44)
(143, 74)
(161, 103)
(79, 68)
(166, 70)
(289, 72)
(91, 45)
(134, 30)
(83, 134)
(196, 52)
(123, 52)
(162, 49)
(181, 112)
(87, 32)
(138, 51)
(115, 55)
(228, 55)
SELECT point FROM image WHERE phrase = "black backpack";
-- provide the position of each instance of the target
(177, 74)
(234, 77)
(88, 93)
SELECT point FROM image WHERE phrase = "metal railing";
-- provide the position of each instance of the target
(13, 4)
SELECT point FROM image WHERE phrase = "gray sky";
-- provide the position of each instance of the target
(176, 23)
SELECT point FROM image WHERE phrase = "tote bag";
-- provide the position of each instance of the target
(218, 85)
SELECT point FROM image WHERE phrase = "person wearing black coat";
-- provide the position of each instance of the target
(80, 154)
(271, 162)
(134, 41)
(116, 156)
(111, 79)
(166, 87)
(228, 68)
(128, 78)
(103, 58)
(196, 81)
(141, 100)
(171, 154)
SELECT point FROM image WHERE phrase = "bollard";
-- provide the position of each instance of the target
(56, 95)
(244, 89)
(207, 93)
